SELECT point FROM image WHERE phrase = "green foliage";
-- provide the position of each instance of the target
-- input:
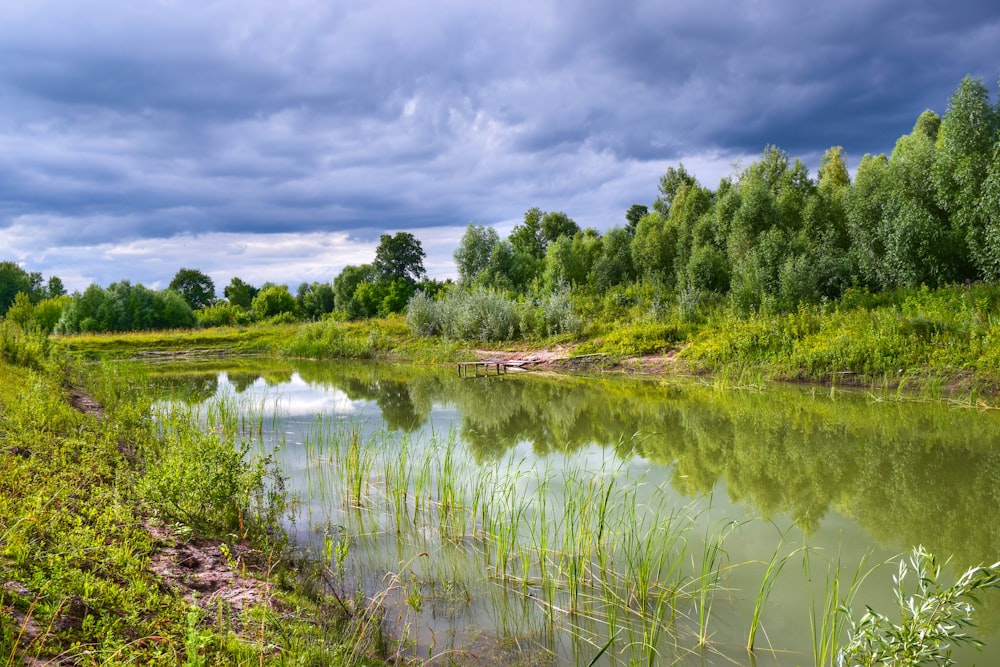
(630, 340)
(671, 182)
(476, 315)
(208, 480)
(273, 302)
(472, 256)
(558, 315)
(399, 256)
(240, 293)
(614, 266)
(315, 300)
(13, 281)
(22, 311)
(48, 312)
(707, 270)
(833, 173)
(197, 288)
(933, 619)
(222, 314)
(527, 238)
(23, 346)
(346, 284)
(124, 307)
(346, 340)
(654, 248)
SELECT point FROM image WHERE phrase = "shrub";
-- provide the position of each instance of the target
(558, 315)
(29, 348)
(222, 315)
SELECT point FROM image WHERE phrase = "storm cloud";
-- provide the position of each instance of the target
(277, 141)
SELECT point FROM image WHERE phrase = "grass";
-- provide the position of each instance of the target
(78, 495)
(239, 340)
(932, 342)
(579, 544)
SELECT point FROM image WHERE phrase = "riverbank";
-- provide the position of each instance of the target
(125, 541)
(935, 343)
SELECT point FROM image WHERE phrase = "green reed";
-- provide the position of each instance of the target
(600, 549)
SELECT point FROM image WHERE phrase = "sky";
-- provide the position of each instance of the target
(276, 141)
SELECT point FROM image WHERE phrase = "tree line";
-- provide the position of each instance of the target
(380, 288)
(769, 237)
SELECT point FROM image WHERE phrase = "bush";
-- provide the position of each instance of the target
(558, 315)
(209, 482)
(222, 314)
(424, 315)
(23, 348)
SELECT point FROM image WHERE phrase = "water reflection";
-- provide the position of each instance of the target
(909, 473)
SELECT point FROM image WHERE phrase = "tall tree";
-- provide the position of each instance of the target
(346, 284)
(670, 183)
(13, 280)
(196, 287)
(240, 293)
(964, 145)
(833, 173)
(633, 215)
(399, 256)
(527, 237)
(472, 256)
(556, 225)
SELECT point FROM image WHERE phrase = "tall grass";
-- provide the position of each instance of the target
(596, 549)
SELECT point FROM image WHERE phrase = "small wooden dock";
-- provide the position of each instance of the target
(491, 367)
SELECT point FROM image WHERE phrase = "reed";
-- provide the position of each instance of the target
(771, 572)
(830, 618)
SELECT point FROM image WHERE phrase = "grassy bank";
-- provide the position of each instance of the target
(919, 339)
(124, 541)
(260, 339)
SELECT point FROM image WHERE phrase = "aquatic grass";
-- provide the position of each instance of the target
(771, 572)
(830, 619)
(707, 581)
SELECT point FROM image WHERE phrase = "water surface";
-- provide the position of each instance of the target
(844, 475)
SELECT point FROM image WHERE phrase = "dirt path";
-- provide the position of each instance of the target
(202, 571)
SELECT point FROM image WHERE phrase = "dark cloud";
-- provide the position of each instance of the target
(124, 121)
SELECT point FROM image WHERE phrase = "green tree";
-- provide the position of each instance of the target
(614, 266)
(654, 248)
(527, 238)
(670, 183)
(833, 173)
(921, 247)
(197, 288)
(22, 311)
(314, 299)
(965, 141)
(272, 302)
(989, 257)
(240, 293)
(569, 260)
(48, 312)
(346, 284)
(368, 298)
(472, 256)
(865, 211)
(395, 296)
(399, 256)
(634, 215)
(55, 288)
(510, 269)
(556, 225)
(13, 280)
(707, 270)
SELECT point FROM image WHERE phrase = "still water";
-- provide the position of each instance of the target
(531, 519)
